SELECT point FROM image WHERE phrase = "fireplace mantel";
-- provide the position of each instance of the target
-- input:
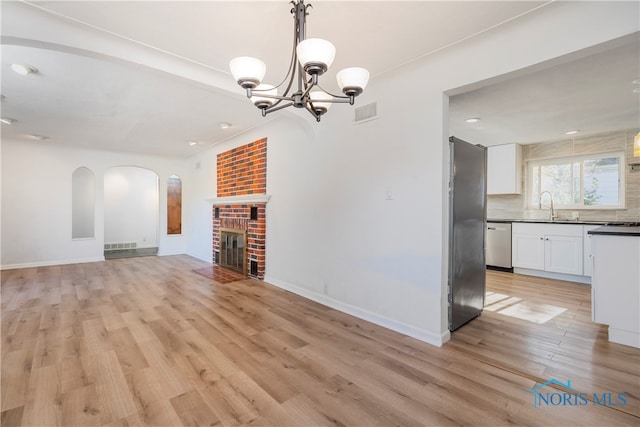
(243, 199)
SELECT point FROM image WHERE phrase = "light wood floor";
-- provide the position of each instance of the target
(146, 341)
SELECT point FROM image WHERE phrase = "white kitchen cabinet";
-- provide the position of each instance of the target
(563, 254)
(616, 287)
(527, 250)
(587, 261)
(555, 248)
(504, 166)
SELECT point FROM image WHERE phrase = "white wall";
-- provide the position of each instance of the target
(83, 204)
(36, 202)
(131, 206)
(202, 175)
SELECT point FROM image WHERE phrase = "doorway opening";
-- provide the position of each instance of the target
(131, 212)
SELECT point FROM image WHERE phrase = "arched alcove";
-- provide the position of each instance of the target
(82, 204)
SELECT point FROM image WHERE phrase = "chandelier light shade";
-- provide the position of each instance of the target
(310, 58)
(353, 80)
(315, 55)
(320, 101)
(262, 101)
(247, 71)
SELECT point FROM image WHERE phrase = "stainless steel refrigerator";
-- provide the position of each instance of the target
(467, 227)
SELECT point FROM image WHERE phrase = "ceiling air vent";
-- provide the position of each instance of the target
(366, 113)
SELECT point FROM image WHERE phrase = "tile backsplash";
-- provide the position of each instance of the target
(515, 207)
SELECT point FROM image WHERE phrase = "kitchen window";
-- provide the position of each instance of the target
(593, 181)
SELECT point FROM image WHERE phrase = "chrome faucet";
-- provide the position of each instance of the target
(552, 214)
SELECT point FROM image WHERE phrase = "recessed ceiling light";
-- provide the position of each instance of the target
(472, 120)
(23, 69)
(36, 137)
(225, 125)
(636, 90)
(7, 120)
(636, 82)
(192, 143)
(571, 132)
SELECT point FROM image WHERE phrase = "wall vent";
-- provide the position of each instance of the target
(120, 246)
(366, 113)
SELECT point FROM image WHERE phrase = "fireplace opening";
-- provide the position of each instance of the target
(233, 249)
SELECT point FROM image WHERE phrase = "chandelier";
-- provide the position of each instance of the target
(310, 59)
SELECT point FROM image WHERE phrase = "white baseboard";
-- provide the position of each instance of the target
(169, 253)
(549, 275)
(209, 260)
(394, 325)
(50, 263)
(620, 336)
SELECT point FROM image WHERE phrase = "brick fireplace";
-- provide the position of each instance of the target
(240, 207)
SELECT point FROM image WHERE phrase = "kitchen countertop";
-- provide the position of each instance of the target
(546, 221)
(612, 230)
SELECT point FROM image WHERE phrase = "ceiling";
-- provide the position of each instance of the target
(593, 93)
(93, 94)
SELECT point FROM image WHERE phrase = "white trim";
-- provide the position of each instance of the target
(394, 325)
(50, 263)
(169, 253)
(586, 280)
(620, 336)
(210, 260)
(239, 200)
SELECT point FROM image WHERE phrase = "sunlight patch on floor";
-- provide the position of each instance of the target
(521, 309)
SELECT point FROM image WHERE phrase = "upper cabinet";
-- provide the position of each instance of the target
(504, 166)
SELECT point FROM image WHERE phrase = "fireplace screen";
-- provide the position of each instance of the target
(233, 249)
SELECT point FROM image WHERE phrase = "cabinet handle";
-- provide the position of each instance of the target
(546, 238)
(541, 238)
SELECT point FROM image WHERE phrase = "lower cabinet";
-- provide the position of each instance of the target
(587, 259)
(615, 291)
(527, 250)
(563, 254)
(556, 248)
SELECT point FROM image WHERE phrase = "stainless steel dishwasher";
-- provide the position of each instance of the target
(499, 245)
